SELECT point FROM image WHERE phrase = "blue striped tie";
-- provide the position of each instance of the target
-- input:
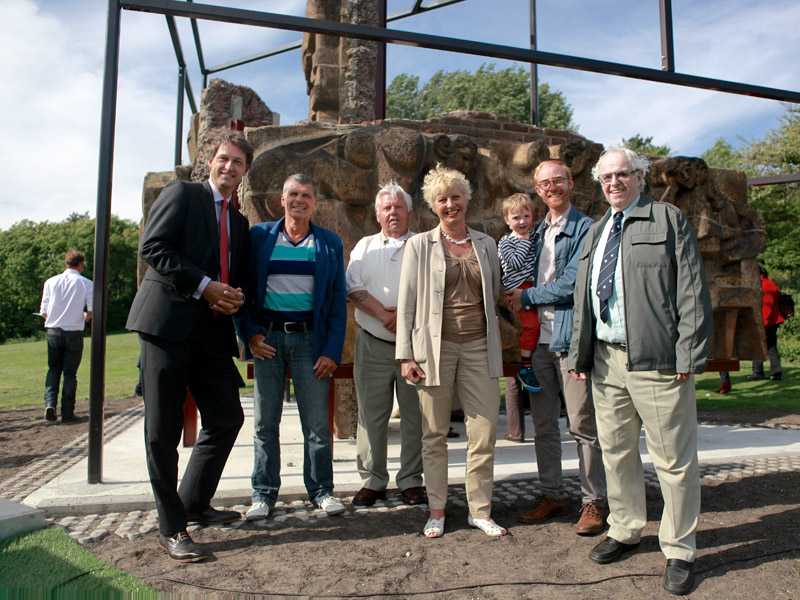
(605, 281)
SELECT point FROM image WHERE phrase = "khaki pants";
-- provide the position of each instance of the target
(377, 376)
(463, 372)
(624, 401)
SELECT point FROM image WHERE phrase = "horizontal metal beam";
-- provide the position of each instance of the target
(436, 42)
(297, 45)
(774, 179)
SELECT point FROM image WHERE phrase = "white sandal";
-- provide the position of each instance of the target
(487, 526)
(434, 528)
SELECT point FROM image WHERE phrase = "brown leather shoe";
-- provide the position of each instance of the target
(414, 496)
(592, 519)
(367, 497)
(180, 547)
(545, 508)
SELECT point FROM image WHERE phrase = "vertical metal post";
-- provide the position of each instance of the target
(535, 117)
(380, 67)
(667, 45)
(101, 235)
(179, 115)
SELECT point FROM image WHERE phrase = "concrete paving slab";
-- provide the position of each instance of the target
(16, 518)
(126, 485)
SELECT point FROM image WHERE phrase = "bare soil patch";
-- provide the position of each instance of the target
(749, 547)
(25, 436)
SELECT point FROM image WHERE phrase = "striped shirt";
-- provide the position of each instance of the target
(290, 284)
(517, 259)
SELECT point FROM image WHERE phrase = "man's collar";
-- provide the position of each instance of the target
(215, 192)
(385, 239)
(627, 210)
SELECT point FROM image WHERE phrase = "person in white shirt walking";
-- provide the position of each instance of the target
(66, 308)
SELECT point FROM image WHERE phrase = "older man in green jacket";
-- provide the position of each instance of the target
(642, 328)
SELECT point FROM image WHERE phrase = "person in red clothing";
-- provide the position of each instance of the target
(772, 319)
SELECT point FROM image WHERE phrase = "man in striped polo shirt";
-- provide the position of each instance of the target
(294, 323)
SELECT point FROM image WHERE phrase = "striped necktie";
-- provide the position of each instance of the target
(605, 281)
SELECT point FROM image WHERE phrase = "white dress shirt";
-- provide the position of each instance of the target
(375, 268)
(217, 208)
(613, 331)
(64, 299)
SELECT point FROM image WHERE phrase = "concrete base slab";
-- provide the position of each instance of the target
(16, 519)
(126, 484)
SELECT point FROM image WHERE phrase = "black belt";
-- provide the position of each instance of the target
(289, 326)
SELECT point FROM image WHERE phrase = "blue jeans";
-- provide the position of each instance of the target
(293, 352)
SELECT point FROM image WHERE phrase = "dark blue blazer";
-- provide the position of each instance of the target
(330, 297)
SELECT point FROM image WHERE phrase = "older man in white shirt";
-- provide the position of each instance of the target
(372, 279)
(66, 307)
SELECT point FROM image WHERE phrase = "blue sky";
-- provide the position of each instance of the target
(53, 60)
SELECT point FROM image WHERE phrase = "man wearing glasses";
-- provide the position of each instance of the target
(642, 329)
(558, 239)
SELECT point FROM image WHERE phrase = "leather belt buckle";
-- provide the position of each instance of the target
(295, 327)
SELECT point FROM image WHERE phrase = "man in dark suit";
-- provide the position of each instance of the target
(182, 313)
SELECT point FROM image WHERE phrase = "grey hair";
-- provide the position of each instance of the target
(393, 190)
(302, 179)
(637, 162)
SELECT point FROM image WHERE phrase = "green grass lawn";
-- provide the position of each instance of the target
(49, 564)
(24, 366)
(746, 395)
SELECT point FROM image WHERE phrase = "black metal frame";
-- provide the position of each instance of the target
(193, 11)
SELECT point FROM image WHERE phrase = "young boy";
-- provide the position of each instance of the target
(517, 259)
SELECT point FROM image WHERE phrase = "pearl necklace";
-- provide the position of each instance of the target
(453, 241)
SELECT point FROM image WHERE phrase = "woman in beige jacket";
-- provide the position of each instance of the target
(448, 340)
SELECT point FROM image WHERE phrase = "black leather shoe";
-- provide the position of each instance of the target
(776, 376)
(610, 550)
(50, 414)
(181, 547)
(366, 497)
(678, 577)
(212, 516)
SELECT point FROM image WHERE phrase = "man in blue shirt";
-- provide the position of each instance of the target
(294, 323)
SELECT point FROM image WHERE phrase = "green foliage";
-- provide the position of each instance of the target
(645, 146)
(31, 252)
(778, 205)
(722, 156)
(505, 92)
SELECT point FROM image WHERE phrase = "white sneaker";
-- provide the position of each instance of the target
(331, 505)
(259, 510)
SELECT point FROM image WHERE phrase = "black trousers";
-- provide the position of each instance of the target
(168, 369)
(64, 352)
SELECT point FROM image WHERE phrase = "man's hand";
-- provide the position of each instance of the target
(324, 367)
(87, 316)
(260, 348)
(514, 300)
(389, 319)
(411, 371)
(223, 298)
(578, 376)
(681, 376)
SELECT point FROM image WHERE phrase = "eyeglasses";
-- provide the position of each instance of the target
(546, 184)
(609, 177)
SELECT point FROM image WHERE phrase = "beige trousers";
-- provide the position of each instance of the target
(624, 402)
(463, 372)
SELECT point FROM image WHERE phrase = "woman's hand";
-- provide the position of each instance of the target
(411, 371)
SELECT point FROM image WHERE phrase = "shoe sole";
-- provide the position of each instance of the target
(185, 560)
(590, 532)
(256, 517)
